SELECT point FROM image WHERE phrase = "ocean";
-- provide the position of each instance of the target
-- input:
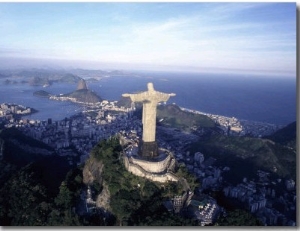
(256, 98)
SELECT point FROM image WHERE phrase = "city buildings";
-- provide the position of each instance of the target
(271, 201)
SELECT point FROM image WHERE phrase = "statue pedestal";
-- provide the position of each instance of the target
(148, 149)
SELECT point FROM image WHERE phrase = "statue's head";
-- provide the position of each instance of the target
(150, 87)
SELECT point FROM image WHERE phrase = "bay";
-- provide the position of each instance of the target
(256, 98)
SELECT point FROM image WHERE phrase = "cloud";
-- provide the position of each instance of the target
(206, 34)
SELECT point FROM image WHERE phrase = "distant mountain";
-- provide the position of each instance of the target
(92, 80)
(124, 102)
(83, 94)
(47, 76)
(49, 79)
(246, 155)
(82, 85)
(69, 78)
(89, 73)
(285, 136)
(173, 116)
(38, 77)
(41, 73)
(38, 81)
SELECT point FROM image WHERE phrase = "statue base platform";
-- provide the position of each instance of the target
(148, 149)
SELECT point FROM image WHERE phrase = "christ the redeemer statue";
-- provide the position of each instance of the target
(150, 99)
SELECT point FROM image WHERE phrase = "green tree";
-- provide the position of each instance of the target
(64, 197)
(119, 205)
(24, 200)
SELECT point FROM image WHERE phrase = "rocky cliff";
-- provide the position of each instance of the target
(84, 96)
(92, 171)
(103, 198)
(82, 85)
(92, 174)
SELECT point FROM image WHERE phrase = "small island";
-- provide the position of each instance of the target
(42, 93)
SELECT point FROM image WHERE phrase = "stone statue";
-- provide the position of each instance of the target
(150, 99)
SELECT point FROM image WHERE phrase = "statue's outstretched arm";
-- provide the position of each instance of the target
(136, 97)
(126, 95)
(165, 96)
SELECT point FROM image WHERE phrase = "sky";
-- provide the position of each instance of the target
(234, 37)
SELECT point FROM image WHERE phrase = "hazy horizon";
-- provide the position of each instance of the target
(245, 38)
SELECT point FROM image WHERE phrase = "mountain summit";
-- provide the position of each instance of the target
(82, 85)
(81, 95)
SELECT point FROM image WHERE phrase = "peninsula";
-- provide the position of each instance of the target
(81, 95)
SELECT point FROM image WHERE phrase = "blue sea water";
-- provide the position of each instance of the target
(264, 99)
